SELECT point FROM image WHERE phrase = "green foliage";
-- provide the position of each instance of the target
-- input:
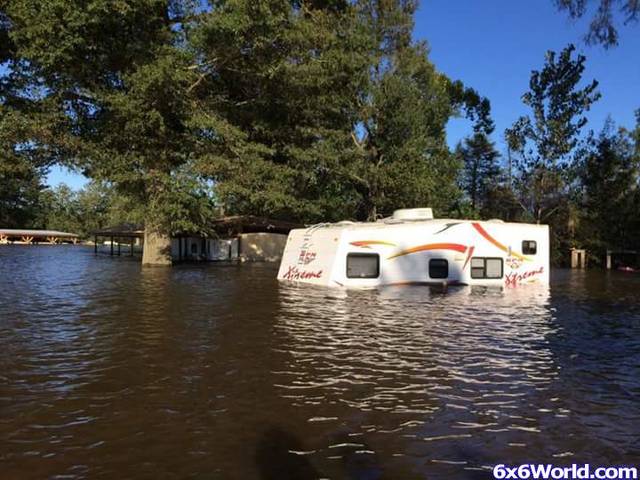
(20, 186)
(303, 110)
(278, 88)
(96, 206)
(104, 87)
(315, 113)
(401, 158)
(609, 192)
(480, 168)
(546, 140)
(602, 28)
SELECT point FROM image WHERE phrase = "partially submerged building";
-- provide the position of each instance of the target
(243, 238)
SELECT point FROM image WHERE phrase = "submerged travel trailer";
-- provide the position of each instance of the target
(412, 247)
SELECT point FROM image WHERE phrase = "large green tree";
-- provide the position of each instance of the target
(277, 87)
(324, 110)
(113, 79)
(20, 187)
(307, 110)
(401, 157)
(548, 142)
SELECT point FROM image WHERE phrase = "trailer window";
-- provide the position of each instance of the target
(438, 268)
(529, 247)
(488, 268)
(494, 267)
(363, 265)
(477, 267)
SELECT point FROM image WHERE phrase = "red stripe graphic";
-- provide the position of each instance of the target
(495, 242)
(471, 249)
(431, 246)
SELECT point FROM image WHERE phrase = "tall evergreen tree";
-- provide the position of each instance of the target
(546, 140)
(480, 169)
(401, 158)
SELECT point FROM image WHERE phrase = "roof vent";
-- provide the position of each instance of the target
(407, 214)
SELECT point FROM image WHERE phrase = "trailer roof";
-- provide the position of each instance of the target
(390, 222)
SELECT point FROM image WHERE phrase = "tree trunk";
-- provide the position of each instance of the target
(372, 212)
(157, 248)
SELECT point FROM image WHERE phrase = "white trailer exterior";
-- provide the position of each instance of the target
(412, 249)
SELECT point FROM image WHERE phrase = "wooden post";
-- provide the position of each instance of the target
(95, 244)
(112, 246)
(578, 258)
(119, 242)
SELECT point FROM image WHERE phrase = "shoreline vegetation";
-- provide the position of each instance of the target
(180, 112)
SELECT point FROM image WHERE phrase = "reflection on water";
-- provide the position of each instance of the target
(200, 371)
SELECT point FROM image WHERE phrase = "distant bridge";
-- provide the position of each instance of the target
(28, 237)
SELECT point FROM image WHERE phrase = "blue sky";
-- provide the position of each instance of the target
(492, 46)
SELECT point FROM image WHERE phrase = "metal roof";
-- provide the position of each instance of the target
(122, 230)
(11, 232)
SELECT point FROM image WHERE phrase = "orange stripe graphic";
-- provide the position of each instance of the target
(495, 242)
(431, 246)
(368, 243)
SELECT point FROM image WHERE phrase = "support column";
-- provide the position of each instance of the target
(112, 246)
(95, 245)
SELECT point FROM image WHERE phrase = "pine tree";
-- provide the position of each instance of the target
(480, 170)
(546, 140)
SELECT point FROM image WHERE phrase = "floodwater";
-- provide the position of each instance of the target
(108, 370)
